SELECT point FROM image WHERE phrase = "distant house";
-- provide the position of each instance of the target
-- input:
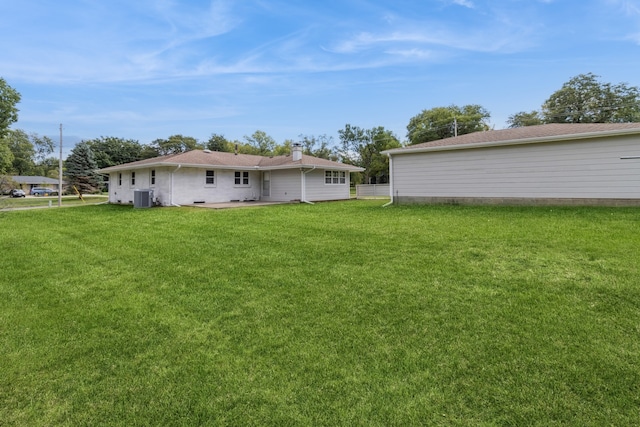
(203, 176)
(583, 164)
(26, 183)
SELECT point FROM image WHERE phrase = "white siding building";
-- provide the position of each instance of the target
(203, 176)
(548, 164)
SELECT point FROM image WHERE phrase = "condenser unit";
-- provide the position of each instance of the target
(142, 198)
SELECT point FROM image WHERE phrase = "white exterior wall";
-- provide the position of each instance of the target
(317, 190)
(124, 193)
(285, 186)
(188, 186)
(578, 169)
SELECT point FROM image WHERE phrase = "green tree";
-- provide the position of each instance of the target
(363, 147)
(43, 146)
(6, 157)
(584, 99)
(217, 143)
(23, 152)
(175, 144)
(9, 98)
(81, 169)
(321, 146)
(284, 148)
(263, 143)
(524, 119)
(111, 151)
(445, 122)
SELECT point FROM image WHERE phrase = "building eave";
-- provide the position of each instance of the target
(519, 141)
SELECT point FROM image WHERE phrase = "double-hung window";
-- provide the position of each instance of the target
(241, 178)
(152, 178)
(120, 180)
(133, 179)
(335, 177)
(209, 177)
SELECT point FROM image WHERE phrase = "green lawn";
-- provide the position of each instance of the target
(30, 202)
(332, 314)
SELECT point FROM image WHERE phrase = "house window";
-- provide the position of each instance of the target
(119, 180)
(133, 179)
(153, 177)
(335, 177)
(209, 178)
(242, 178)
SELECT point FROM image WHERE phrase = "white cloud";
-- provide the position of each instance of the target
(630, 7)
(465, 3)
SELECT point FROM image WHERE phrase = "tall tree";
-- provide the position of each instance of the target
(319, 146)
(9, 98)
(23, 152)
(175, 144)
(43, 146)
(6, 156)
(111, 151)
(584, 99)
(363, 147)
(217, 143)
(524, 119)
(262, 142)
(81, 169)
(445, 122)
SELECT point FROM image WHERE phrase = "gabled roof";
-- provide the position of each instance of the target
(224, 160)
(524, 135)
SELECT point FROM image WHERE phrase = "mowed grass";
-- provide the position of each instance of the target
(334, 314)
(44, 201)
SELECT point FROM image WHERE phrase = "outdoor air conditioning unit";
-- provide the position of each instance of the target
(142, 198)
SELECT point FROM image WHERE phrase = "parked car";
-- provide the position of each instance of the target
(16, 193)
(41, 191)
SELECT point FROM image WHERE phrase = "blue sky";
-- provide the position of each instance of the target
(148, 69)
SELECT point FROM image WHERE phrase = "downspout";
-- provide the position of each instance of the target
(171, 191)
(303, 196)
(390, 181)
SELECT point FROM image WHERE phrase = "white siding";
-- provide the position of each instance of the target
(317, 190)
(187, 186)
(285, 186)
(583, 169)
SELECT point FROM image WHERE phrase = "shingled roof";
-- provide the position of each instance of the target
(224, 160)
(524, 135)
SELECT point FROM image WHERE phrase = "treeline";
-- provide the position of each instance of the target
(583, 99)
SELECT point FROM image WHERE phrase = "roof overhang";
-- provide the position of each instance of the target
(522, 141)
(126, 167)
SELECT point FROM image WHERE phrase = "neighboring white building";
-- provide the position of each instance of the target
(203, 176)
(584, 164)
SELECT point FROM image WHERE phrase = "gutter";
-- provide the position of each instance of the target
(171, 190)
(390, 181)
(303, 195)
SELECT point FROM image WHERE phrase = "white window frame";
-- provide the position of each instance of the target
(132, 179)
(243, 177)
(332, 177)
(152, 178)
(212, 176)
(119, 179)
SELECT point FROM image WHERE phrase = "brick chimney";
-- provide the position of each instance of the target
(296, 152)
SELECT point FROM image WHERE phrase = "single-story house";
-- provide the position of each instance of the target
(552, 164)
(203, 176)
(26, 183)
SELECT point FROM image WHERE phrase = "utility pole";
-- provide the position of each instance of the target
(60, 171)
(455, 127)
